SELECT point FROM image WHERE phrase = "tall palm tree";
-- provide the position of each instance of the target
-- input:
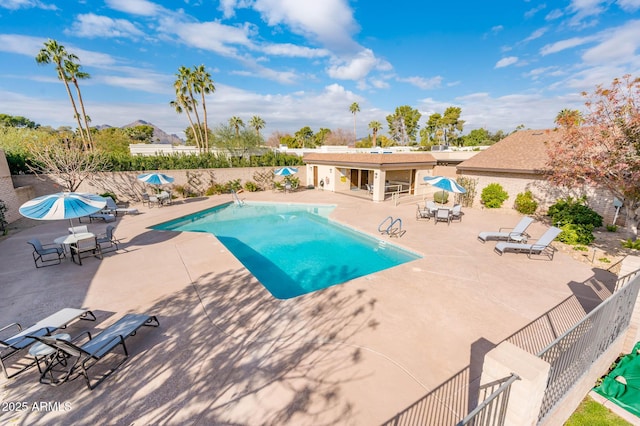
(236, 123)
(354, 108)
(375, 126)
(56, 53)
(185, 102)
(257, 123)
(73, 72)
(204, 86)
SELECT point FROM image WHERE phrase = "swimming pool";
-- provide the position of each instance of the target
(293, 249)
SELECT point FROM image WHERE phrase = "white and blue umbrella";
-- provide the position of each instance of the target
(445, 183)
(62, 205)
(286, 171)
(155, 178)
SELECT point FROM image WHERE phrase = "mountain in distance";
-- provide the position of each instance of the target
(159, 135)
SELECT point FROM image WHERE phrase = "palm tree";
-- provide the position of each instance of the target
(185, 102)
(203, 85)
(257, 123)
(375, 126)
(354, 108)
(568, 118)
(236, 123)
(56, 53)
(73, 72)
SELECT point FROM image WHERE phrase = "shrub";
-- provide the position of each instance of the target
(109, 194)
(612, 228)
(3, 220)
(251, 186)
(630, 244)
(576, 211)
(223, 188)
(525, 203)
(470, 185)
(574, 234)
(441, 197)
(493, 195)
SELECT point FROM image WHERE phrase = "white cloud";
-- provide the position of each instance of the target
(423, 83)
(565, 44)
(618, 45)
(329, 22)
(536, 34)
(629, 5)
(496, 29)
(531, 12)
(91, 25)
(505, 62)
(584, 9)
(291, 50)
(554, 14)
(135, 7)
(214, 36)
(26, 4)
(355, 68)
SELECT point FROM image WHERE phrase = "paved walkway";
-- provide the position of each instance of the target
(227, 352)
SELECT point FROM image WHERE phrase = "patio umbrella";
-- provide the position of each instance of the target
(155, 178)
(62, 205)
(445, 183)
(285, 171)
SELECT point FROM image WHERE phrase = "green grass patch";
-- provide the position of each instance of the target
(592, 413)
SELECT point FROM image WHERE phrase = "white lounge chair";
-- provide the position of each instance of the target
(112, 208)
(517, 234)
(541, 247)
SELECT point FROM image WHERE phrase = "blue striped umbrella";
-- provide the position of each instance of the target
(285, 171)
(445, 183)
(62, 205)
(155, 178)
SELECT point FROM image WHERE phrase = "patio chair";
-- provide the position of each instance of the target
(422, 213)
(108, 240)
(369, 188)
(432, 207)
(456, 212)
(517, 234)
(73, 360)
(442, 215)
(541, 247)
(9, 346)
(47, 254)
(82, 229)
(85, 245)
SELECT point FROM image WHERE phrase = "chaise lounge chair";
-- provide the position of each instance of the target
(541, 247)
(72, 360)
(112, 208)
(11, 345)
(517, 234)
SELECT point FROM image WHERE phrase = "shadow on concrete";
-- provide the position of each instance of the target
(226, 352)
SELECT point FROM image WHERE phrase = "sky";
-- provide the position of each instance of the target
(297, 63)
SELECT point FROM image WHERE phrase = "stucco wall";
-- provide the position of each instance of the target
(7, 192)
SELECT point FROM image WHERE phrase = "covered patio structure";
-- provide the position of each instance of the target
(382, 175)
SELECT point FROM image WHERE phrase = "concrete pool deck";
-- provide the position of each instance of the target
(226, 352)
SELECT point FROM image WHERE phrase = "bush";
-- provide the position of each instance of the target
(576, 211)
(441, 197)
(223, 188)
(109, 194)
(612, 228)
(574, 234)
(525, 203)
(493, 195)
(630, 244)
(3, 220)
(251, 186)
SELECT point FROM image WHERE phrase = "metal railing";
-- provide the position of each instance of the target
(493, 409)
(572, 353)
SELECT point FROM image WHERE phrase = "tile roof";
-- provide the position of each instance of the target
(370, 159)
(523, 151)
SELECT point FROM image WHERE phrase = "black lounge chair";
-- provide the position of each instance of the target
(24, 338)
(47, 254)
(71, 361)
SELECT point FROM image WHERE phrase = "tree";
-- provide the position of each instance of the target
(257, 123)
(568, 117)
(375, 126)
(403, 124)
(304, 137)
(604, 148)
(66, 159)
(237, 142)
(320, 138)
(74, 74)
(140, 134)
(354, 108)
(17, 121)
(236, 123)
(451, 124)
(203, 85)
(64, 61)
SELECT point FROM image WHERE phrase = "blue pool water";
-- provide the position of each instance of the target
(293, 249)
